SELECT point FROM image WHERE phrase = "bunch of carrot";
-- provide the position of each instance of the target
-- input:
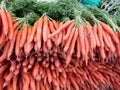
(53, 55)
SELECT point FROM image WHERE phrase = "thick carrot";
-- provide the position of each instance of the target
(96, 35)
(4, 21)
(4, 55)
(11, 29)
(100, 36)
(17, 45)
(109, 30)
(67, 44)
(33, 32)
(14, 84)
(12, 44)
(23, 35)
(49, 42)
(9, 76)
(39, 33)
(102, 54)
(32, 83)
(15, 25)
(2, 39)
(81, 38)
(59, 40)
(45, 28)
(35, 69)
(49, 75)
(68, 31)
(90, 36)
(65, 25)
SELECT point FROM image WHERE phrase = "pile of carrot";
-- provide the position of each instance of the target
(53, 55)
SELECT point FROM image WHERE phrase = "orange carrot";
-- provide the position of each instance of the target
(23, 35)
(15, 25)
(32, 83)
(81, 38)
(45, 28)
(4, 21)
(3, 68)
(72, 46)
(100, 36)
(109, 30)
(2, 40)
(14, 21)
(9, 76)
(17, 46)
(11, 29)
(37, 85)
(68, 31)
(67, 44)
(33, 32)
(4, 55)
(14, 84)
(49, 43)
(49, 75)
(102, 53)
(59, 40)
(35, 69)
(60, 29)
(55, 24)
(96, 35)
(12, 44)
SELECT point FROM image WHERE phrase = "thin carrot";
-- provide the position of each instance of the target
(4, 55)
(102, 53)
(55, 24)
(11, 29)
(4, 21)
(37, 85)
(68, 31)
(81, 38)
(15, 25)
(72, 46)
(49, 75)
(3, 68)
(2, 40)
(65, 25)
(45, 29)
(9, 76)
(33, 32)
(67, 44)
(109, 30)
(23, 35)
(32, 83)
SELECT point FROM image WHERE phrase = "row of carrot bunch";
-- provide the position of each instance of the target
(44, 54)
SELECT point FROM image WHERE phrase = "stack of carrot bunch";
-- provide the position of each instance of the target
(53, 55)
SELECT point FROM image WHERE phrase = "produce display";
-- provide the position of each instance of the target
(70, 47)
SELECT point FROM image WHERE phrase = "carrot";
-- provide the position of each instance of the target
(33, 32)
(55, 24)
(35, 69)
(100, 36)
(81, 38)
(65, 25)
(37, 85)
(49, 42)
(3, 68)
(10, 87)
(14, 21)
(4, 21)
(32, 83)
(49, 75)
(68, 31)
(42, 87)
(9, 76)
(23, 35)
(102, 53)
(14, 84)
(72, 46)
(96, 35)
(45, 28)
(12, 44)
(13, 66)
(109, 30)
(39, 33)
(67, 44)
(25, 62)
(90, 35)
(11, 29)
(117, 46)
(112, 48)
(78, 48)
(31, 60)
(63, 34)
(15, 25)
(2, 40)
(4, 55)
